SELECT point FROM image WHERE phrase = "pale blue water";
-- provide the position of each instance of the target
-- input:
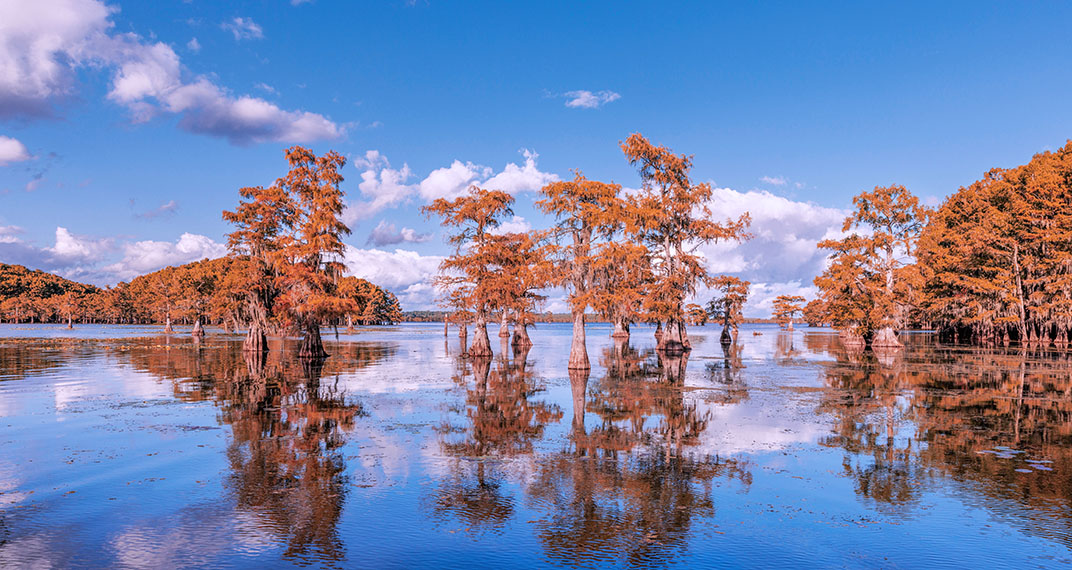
(122, 447)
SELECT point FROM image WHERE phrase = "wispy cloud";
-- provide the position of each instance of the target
(774, 180)
(164, 210)
(243, 29)
(387, 234)
(590, 100)
(193, 45)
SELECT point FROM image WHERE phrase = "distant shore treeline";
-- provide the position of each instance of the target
(209, 289)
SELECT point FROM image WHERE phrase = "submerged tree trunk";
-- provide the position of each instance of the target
(197, 332)
(521, 340)
(578, 378)
(659, 331)
(504, 326)
(674, 339)
(578, 356)
(481, 342)
(463, 336)
(256, 339)
(885, 338)
(349, 323)
(70, 324)
(621, 328)
(311, 345)
(851, 339)
(167, 325)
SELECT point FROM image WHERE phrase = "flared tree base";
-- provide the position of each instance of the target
(311, 344)
(885, 339)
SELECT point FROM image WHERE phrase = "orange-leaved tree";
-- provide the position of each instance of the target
(673, 219)
(588, 214)
(786, 308)
(727, 304)
(892, 220)
(292, 232)
(474, 267)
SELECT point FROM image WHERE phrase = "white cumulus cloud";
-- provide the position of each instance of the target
(12, 150)
(407, 274)
(782, 257)
(43, 43)
(453, 181)
(142, 257)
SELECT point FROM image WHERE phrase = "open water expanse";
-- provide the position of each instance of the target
(121, 447)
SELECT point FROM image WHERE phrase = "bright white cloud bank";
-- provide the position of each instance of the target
(383, 186)
(43, 43)
(782, 257)
(93, 259)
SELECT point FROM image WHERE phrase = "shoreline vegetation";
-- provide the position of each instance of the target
(991, 265)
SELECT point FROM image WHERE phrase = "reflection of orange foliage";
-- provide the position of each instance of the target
(961, 411)
(288, 419)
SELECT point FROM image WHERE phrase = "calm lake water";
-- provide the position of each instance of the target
(122, 447)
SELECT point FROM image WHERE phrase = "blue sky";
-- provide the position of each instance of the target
(126, 127)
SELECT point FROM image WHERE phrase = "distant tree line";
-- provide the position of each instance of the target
(202, 291)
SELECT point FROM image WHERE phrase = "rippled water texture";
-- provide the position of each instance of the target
(121, 447)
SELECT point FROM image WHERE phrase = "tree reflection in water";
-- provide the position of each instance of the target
(998, 418)
(629, 489)
(288, 419)
(503, 422)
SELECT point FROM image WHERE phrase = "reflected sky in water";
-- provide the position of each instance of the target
(121, 447)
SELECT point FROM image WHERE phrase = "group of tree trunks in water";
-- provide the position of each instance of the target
(993, 264)
(629, 257)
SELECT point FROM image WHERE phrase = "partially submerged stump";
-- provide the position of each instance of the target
(197, 332)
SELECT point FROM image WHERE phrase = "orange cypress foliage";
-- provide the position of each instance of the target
(292, 232)
(588, 215)
(732, 293)
(786, 308)
(861, 283)
(472, 270)
(671, 217)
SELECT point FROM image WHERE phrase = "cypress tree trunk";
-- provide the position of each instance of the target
(463, 335)
(349, 323)
(504, 326)
(256, 340)
(198, 332)
(167, 325)
(578, 357)
(885, 338)
(70, 325)
(521, 340)
(578, 378)
(311, 345)
(851, 339)
(481, 342)
(621, 328)
(674, 339)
